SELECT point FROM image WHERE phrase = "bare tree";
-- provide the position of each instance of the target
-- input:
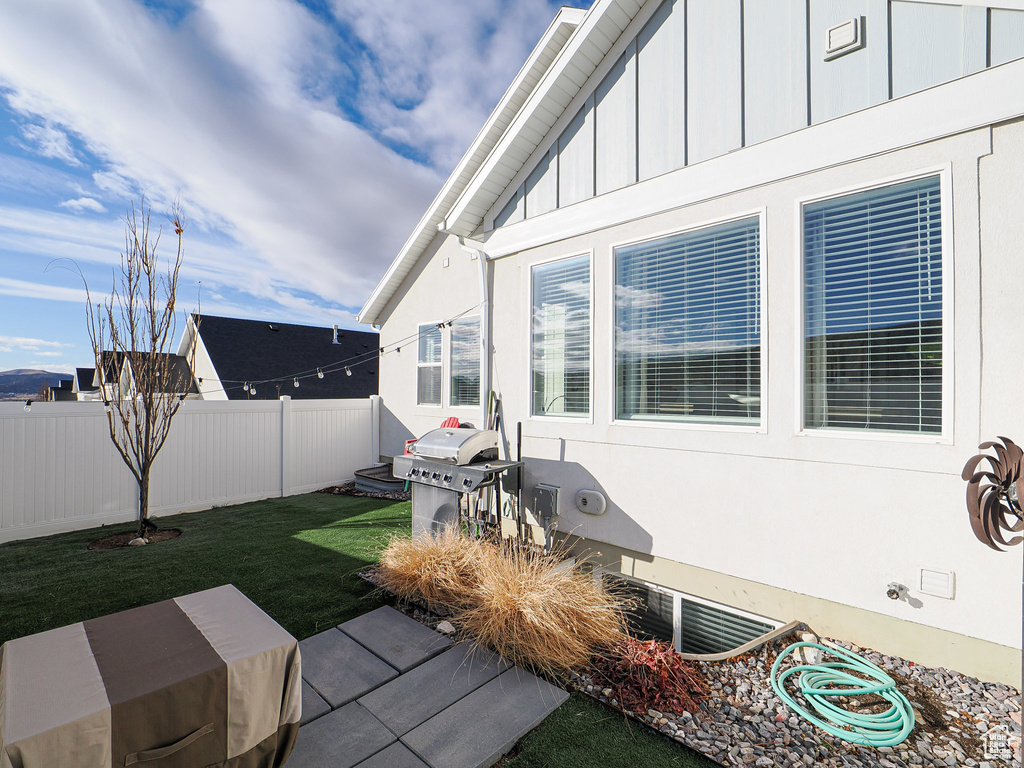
(132, 331)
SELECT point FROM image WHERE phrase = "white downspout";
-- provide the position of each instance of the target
(485, 330)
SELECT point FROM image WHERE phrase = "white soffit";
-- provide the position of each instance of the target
(540, 61)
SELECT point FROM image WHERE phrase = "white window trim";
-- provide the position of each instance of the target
(450, 358)
(699, 426)
(416, 380)
(588, 417)
(945, 436)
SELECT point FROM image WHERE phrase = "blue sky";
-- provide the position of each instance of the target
(304, 141)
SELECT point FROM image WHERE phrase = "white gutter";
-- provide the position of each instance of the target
(485, 328)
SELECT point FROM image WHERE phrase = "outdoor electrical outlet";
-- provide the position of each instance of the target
(545, 502)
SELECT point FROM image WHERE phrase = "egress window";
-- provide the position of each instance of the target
(688, 326)
(560, 338)
(873, 310)
(428, 366)
(465, 361)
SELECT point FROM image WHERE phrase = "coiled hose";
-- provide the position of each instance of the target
(820, 683)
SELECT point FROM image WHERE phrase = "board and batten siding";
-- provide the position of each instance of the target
(705, 77)
(59, 471)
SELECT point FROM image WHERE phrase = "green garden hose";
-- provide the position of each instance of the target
(820, 683)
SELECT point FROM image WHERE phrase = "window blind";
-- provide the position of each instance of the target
(428, 366)
(560, 355)
(688, 326)
(873, 309)
(465, 361)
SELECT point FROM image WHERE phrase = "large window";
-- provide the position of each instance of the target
(688, 326)
(428, 366)
(560, 360)
(873, 310)
(465, 361)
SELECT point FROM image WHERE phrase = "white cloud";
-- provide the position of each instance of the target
(83, 204)
(429, 78)
(240, 109)
(9, 343)
(50, 141)
(26, 289)
(316, 201)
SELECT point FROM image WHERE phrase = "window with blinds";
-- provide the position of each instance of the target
(688, 326)
(873, 310)
(465, 361)
(428, 366)
(560, 345)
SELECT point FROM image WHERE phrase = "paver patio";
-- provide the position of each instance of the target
(384, 690)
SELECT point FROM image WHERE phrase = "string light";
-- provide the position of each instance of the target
(319, 373)
(252, 390)
(295, 382)
(348, 371)
(28, 405)
(246, 386)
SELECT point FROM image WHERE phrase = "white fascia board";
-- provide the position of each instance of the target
(531, 73)
(976, 101)
(579, 53)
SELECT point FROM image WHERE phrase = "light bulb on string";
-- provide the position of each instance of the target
(246, 386)
(319, 373)
(252, 390)
(348, 371)
(28, 405)
(295, 382)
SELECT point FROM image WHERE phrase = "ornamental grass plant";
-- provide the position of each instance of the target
(535, 609)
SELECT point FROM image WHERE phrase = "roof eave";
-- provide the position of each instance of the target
(567, 19)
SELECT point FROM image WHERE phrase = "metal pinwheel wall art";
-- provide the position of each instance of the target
(994, 490)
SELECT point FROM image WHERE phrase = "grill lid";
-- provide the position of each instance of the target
(459, 446)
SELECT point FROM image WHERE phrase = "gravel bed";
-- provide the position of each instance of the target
(744, 723)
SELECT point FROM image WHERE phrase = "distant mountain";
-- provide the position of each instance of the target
(25, 382)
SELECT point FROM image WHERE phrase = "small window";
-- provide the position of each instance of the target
(560, 359)
(428, 366)
(688, 326)
(465, 361)
(873, 310)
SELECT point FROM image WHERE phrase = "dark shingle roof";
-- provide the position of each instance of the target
(271, 354)
(85, 379)
(179, 371)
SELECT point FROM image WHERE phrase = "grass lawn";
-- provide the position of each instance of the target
(297, 559)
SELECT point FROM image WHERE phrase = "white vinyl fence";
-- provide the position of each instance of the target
(59, 471)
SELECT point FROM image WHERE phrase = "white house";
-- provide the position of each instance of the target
(750, 269)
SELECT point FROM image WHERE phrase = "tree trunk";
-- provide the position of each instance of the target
(143, 502)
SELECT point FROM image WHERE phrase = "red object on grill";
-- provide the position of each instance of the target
(452, 422)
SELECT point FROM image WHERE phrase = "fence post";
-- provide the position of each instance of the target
(286, 440)
(374, 429)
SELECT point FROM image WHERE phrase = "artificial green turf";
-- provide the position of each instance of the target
(296, 558)
(583, 733)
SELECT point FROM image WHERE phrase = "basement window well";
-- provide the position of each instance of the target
(691, 624)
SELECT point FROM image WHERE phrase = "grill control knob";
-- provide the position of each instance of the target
(468, 481)
(447, 478)
(435, 475)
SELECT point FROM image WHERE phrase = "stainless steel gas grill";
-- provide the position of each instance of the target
(447, 464)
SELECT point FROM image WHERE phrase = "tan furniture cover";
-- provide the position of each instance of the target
(202, 680)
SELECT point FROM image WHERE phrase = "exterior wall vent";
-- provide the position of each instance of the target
(936, 582)
(696, 625)
(843, 38)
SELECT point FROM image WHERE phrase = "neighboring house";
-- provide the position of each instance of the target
(734, 264)
(64, 391)
(233, 354)
(115, 375)
(84, 385)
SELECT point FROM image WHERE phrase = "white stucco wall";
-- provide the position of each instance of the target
(834, 516)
